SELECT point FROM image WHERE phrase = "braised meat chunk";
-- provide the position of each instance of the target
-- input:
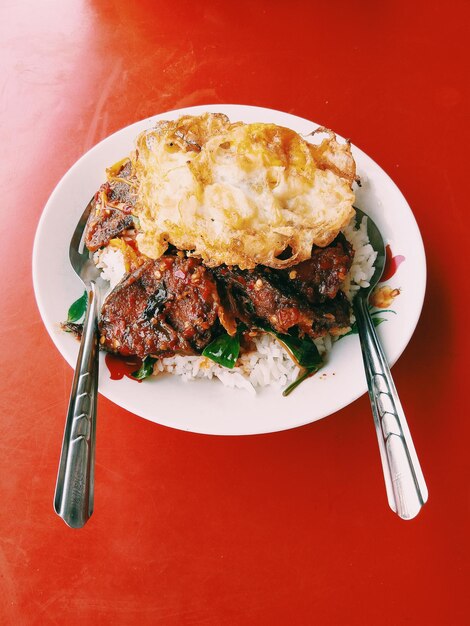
(320, 277)
(331, 316)
(164, 307)
(112, 211)
(265, 297)
(105, 224)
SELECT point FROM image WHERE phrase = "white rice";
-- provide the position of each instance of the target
(269, 364)
(111, 263)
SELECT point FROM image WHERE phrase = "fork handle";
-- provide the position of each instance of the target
(73, 500)
(404, 480)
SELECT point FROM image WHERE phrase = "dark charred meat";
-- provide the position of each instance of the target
(255, 300)
(319, 278)
(111, 214)
(104, 224)
(263, 297)
(164, 307)
(332, 316)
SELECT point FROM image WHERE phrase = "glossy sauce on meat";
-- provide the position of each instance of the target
(165, 306)
(265, 297)
(106, 224)
(112, 211)
(320, 277)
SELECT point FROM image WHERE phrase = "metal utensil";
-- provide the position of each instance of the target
(404, 480)
(73, 499)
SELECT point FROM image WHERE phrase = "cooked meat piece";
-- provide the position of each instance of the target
(332, 316)
(111, 214)
(319, 278)
(253, 299)
(104, 224)
(165, 306)
(263, 297)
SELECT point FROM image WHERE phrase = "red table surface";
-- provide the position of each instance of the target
(287, 528)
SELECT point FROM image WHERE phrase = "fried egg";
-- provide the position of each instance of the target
(240, 194)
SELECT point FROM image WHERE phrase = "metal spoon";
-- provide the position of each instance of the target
(404, 480)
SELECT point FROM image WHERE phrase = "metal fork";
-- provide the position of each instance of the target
(74, 492)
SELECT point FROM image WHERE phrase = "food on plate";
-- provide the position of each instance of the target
(164, 306)
(263, 297)
(240, 194)
(113, 207)
(230, 249)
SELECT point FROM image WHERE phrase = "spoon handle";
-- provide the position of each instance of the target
(73, 499)
(404, 480)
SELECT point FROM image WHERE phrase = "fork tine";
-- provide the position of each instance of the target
(77, 236)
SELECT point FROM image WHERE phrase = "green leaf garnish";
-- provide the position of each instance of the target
(77, 310)
(378, 320)
(224, 350)
(375, 320)
(303, 351)
(146, 369)
(354, 331)
(307, 372)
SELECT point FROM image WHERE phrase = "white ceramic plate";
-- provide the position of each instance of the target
(205, 406)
